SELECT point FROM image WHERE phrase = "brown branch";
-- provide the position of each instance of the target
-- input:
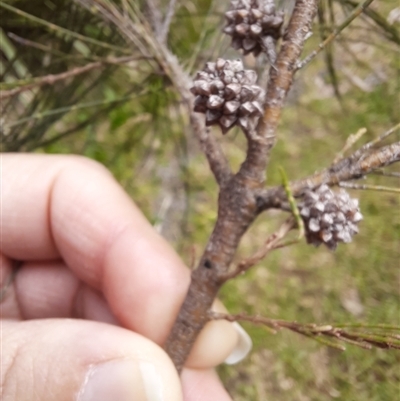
(211, 148)
(182, 82)
(51, 79)
(209, 145)
(365, 336)
(280, 81)
(272, 242)
(353, 167)
(237, 204)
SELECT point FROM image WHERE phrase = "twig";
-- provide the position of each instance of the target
(273, 242)
(380, 138)
(48, 49)
(351, 140)
(130, 25)
(65, 31)
(364, 337)
(204, 34)
(353, 167)
(379, 188)
(53, 78)
(353, 15)
(387, 173)
(212, 149)
(356, 166)
(78, 106)
(292, 203)
(167, 21)
(329, 58)
(153, 10)
(390, 31)
(208, 143)
(381, 326)
(101, 111)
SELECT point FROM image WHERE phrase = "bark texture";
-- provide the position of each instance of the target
(238, 198)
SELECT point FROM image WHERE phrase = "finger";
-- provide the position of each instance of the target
(105, 240)
(62, 360)
(82, 214)
(50, 289)
(219, 341)
(202, 385)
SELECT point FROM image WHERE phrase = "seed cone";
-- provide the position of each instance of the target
(255, 26)
(330, 217)
(226, 93)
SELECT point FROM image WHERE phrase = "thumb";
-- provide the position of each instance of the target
(83, 361)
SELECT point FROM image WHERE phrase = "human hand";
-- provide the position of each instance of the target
(91, 268)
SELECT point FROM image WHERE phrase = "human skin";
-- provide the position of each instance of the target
(96, 294)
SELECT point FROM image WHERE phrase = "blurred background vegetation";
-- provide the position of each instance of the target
(126, 114)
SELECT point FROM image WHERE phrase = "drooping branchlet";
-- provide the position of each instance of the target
(330, 217)
(255, 26)
(226, 93)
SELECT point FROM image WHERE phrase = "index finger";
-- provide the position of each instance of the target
(70, 207)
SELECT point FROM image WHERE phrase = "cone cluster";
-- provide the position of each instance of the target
(254, 26)
(330, 217)
(227, 95)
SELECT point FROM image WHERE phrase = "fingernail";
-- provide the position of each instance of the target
(122, 380)
(153, 385)
(243, 343)
(242, 348)
(219, 341)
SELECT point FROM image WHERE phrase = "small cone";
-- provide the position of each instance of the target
(255, 26)
(329, 217)
(226, 93)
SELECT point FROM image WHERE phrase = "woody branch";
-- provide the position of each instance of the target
(237, 204)
(364, 336)
(356, 166)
